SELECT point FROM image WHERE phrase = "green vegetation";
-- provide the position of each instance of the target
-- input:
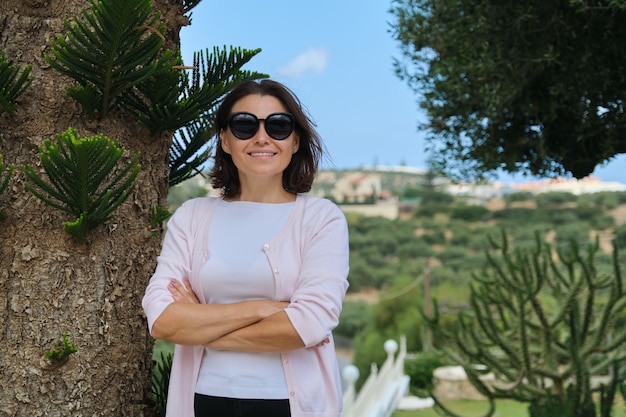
(397, 257)
(545, 321)
(80, 180)
(14, 80)
(472, 408)
(502, 94)
(62, 350)
(162, 355)
(453, 234)
(161, 382)
(420, 367)
(129, 69)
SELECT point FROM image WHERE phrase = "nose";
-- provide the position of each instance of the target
(261, 135)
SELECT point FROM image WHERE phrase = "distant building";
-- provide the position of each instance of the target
(478, 191)
(357, 187)
(396, 168)
(483, 192)
(587, 185)
(389, 209)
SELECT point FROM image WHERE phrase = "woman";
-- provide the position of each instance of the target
(250, 285)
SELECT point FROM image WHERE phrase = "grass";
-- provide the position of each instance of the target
(471, 408)
(504, 408)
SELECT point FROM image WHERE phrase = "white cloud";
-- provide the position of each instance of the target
(314, 60)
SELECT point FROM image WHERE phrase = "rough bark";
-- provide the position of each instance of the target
(49, 285)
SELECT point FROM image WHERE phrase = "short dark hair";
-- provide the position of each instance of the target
(299, 175)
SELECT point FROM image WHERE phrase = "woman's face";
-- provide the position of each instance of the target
(261, 156)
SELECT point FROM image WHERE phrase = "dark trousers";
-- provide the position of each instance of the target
(208, 406)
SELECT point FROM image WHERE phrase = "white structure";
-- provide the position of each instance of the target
(415, 403)
(587, 185)
(383, 389)
(357, 187)
(451, 383)
(384, 208)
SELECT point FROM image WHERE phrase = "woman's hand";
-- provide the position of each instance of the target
(182, 292)
(245, 337)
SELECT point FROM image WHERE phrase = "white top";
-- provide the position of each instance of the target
(236, 271)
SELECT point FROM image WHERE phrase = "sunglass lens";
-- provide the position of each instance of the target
(279, 126)
(243, 125)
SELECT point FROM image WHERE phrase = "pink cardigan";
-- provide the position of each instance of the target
(309, 258)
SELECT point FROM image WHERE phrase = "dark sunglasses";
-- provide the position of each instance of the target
(277, 125)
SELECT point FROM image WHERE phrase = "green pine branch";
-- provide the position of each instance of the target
(14, 80)
(161, 382)
(159, 215)
(188, 110)
(84, 179)
(174, 98)
(113, 51)
(109, 52)
(216, 73)
(188, 5)
(189, 151)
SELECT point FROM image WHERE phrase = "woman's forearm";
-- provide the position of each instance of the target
(197, 324)
(271, 334)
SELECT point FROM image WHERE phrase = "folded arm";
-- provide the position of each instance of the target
(271, 334)
(187, 322)
(252, 326)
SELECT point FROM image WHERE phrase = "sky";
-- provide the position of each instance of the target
(337, 57)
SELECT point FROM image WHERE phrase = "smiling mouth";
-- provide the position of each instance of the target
(262, 154)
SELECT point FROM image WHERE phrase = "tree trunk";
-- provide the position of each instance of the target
(50, 285)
